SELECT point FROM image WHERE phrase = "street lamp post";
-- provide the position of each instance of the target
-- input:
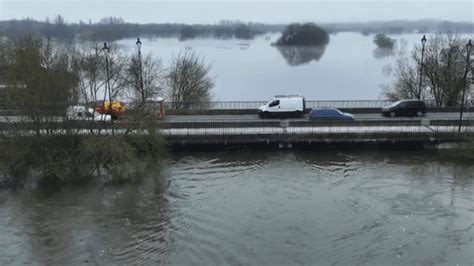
(423, 41)
(106, 50)
(139, 45)
(468, 49)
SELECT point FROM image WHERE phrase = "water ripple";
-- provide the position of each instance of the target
(278, 208)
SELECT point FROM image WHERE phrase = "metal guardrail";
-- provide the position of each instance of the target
(232, 105)
(232, 127)
(243, 105)
(423, 125)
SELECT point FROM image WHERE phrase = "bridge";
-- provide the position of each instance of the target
(424, 132)
(235, 124)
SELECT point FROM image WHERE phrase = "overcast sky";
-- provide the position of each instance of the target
(279, 11)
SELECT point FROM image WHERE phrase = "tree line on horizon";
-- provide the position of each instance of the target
(115, 28)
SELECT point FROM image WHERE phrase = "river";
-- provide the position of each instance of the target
(255, 207)
(349, 67)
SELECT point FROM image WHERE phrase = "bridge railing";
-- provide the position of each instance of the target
(233, 105)
(395, 126)
(253, 127)
(252, 105)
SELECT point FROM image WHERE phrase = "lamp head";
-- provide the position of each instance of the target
(106, 48)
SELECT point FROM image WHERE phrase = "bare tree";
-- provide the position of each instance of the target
(145, 76)
(188, 81)
(443, 71)
(88, 68)
(443, 67)
(406, 78)
(118, 74)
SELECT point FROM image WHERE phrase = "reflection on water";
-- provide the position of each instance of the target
(255, 208)
(300, 55)
(383, 52)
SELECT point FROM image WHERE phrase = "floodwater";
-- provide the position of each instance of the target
(349, 67)
(255, 208)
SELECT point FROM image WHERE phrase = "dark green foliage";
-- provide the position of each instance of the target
(70, 158)
(382, 41)
(308, 34)
(38, 79)
(44, 158)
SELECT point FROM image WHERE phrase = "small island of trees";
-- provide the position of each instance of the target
(308, 34)
(383, 41)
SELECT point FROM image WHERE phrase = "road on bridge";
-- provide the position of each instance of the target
(366, 116)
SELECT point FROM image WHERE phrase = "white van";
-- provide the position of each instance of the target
(283, 106)
(82, 113)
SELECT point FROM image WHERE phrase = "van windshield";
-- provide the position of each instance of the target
(273, 103)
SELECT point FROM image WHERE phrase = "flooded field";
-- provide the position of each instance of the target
(349, 67)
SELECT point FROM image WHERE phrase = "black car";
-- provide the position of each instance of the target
(405, 108)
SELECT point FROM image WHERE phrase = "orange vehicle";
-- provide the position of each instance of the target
(117, 110)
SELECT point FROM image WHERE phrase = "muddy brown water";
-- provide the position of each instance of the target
(255, 208)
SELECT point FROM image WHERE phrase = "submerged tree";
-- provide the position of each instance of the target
(308, 34)
(189, 80)
(383, 41)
